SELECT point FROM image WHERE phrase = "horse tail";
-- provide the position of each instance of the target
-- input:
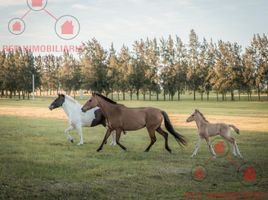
(179, 138)
(235, 128)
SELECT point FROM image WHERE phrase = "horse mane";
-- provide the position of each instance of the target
(71, 99)
(202, 116)
(105, 98)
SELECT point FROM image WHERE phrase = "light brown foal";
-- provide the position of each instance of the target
(121, 118)
(207, 129)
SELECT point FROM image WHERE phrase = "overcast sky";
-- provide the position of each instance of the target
(123, 21)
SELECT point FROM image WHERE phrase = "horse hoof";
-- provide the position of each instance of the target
(98, 150)
(72, 141)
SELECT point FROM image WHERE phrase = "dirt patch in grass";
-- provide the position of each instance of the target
(179, 120)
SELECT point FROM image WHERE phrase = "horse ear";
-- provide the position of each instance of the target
(196, 110)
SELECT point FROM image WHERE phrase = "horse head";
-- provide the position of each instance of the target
(91, 103)
(57, 102)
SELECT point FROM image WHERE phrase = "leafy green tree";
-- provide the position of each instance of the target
(124, 71)
(138, 78)
(193, 72)
(2, 71)
(94, 67)
(113, 71)
(70, 74)
(180, 66)
(152, 61)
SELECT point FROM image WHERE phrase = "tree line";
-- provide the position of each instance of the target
(151, 67)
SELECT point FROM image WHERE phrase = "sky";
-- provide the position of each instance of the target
(124, 21)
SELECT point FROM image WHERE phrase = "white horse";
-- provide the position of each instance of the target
(77, 118)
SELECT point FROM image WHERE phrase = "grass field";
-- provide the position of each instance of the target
(37, 161)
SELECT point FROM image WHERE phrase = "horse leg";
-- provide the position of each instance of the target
(232, 141)
(153, 138)
(210, 147)
(165, 135)
(118, 134)
(113, 142)
(197, 146)
(66, 132)
(237, 150)
(108, 133)
(80, 133)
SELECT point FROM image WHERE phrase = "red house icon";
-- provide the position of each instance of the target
(199, 173)
(219, 147)
(37, 3)
(16, 26)
(67, 28)
(250, 174)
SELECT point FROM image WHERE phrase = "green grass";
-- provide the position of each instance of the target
(37, 161)
(235, 108)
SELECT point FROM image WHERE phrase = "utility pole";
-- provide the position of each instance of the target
(33, 86)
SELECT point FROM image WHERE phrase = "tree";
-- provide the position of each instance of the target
(152, 61)
(70, 74)
(193, 67)
(2, 71)
(259, 45)
(112, 71)
(138, 78)
(124, 70)
(94, 67)
(180, 66)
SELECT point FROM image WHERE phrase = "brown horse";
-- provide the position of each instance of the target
(121, 118)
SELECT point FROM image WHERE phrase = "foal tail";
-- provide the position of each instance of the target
(235, 128)
(179, 138)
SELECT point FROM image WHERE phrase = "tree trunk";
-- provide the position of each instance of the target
(118, 96)
(6, 93)
(164, 96)
(217, 96)
(144, 96)
(2, 93)
(259, 94)
(10, 94)
(19, 94)
(157, 96)
(194, 94)
(202, 93)
(28, 95)
(232, 95)
(207, 96)
(239, 95)
(222, 97)
(150, 95)
(23, 95)
(130, 94)
(124, 97)
(138, 94)
(179, 95)
(112, 95)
